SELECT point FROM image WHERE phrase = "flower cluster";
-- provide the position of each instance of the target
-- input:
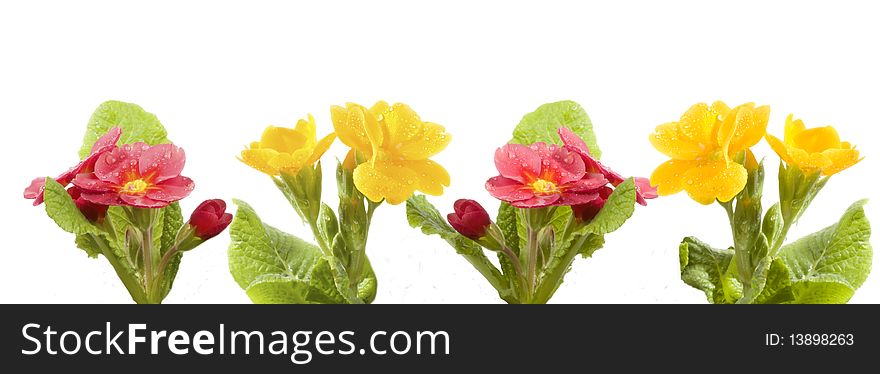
(540, 175)
(137, 175)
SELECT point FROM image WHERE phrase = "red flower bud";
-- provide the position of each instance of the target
(469, 219)
(210, 218)
(93, 212)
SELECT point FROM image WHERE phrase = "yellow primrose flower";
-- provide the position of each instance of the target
(702, 145)
(816, 149)
(397, 145)
(288, 150)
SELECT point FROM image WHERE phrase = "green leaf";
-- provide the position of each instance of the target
(619, 207)
(137, 125)
(771, 284)
(87, 243)
(828, 289)
(772, 224)
(61, 208)
(508, 223)
(280, 267)
(421, 214)
(171, 223)
(706, 269)
(842, 250)
(541, 125)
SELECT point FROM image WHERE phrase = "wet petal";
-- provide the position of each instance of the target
(259, 159)
(102, 198)
(668, 140)
(120, 163)
(508, 189)
(320, 148)
(716, 179)
(562, 166)
(385, 180)
(282, 139)
(171, 190)
(142, 201)
(90, 182)
(840, 160)
(590, 181)
(751, 125)
(576, 198)
(793, 127)
(538, 201)
(779, 147)
(669, 176)
(808, 162)
(697, 122)
(817, 139)
(518, 162)
(430, 176)
(161, 162)
(402, 122)
(348, 124)
(431, 141)
(573, 142)
(290, 162)
(107, 141)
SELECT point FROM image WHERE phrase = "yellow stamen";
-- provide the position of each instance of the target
(135, 187)
(544, 187)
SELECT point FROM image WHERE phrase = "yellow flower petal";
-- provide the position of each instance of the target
(715, 179)
(668, 177)
(668, 140)
(290, 162)
(259, 159)
(431, 141)
(402, 122)
(779, 147)
(808, 162)
(751, 125)
(817, 139)
(840, 160)
(385, 180)
(696, 124)
(375, 133)
(307, 128)
(320, 148)
(430, 176)
(792, 128)
(282, 139)
(349, 125)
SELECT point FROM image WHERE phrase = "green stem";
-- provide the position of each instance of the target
(549, 284)
(131, 284)
(489, 271)
(533, 259)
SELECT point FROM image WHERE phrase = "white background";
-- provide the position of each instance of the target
(216, 73)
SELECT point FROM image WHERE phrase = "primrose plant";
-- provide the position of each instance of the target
(120, 200)
(557, 201)
(388, 161)
(711, 160)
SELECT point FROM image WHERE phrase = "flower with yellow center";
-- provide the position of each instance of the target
(396, 145)
(811, 150)
(287, 150)
(702, 146)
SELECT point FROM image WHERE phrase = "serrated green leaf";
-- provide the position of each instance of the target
(827, 289)
(87, 243)
(421, 214)
(619, 207)
(541, 125)
(171, 224)
(508, 223)
(706, 269)
(61, 208)
(137, 125)
(771, 284)
(842, 250)
(280, 266)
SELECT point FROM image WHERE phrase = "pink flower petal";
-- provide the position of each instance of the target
(538, 201)
(107, 141)
(577, 198)
(102, 198)
(508, 189)
(114, 166)
(644, 190)
(171, 190)
(573, 142)
(142, 201)
(35, 190)
(591, 181)
(563, 166)
(161, 162)
(517, 162)
(90, 182)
